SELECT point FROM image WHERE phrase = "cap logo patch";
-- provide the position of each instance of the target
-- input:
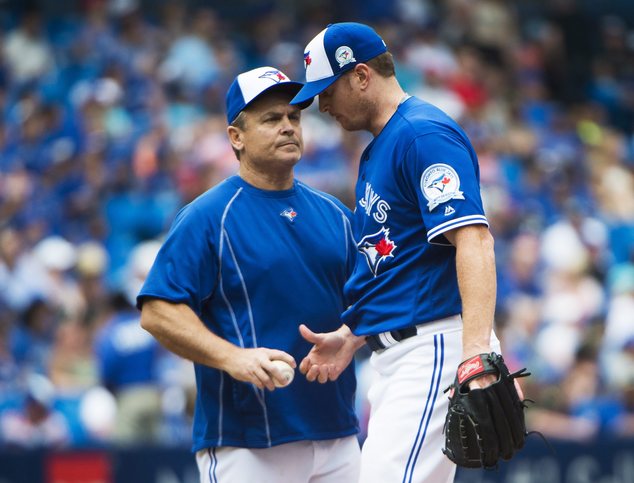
(274, 75)
(440, 183)
(307, 59)
(344, 55)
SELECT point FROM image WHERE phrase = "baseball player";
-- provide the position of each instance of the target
(423, 288)
(241, 267)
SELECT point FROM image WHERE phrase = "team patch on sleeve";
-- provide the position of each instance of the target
(440, 183)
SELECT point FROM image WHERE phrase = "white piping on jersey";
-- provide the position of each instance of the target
(220, 406)
(244, 288)
(259, 393)
(346, 221)
(220, 250)
(451, 224)
(231, 312)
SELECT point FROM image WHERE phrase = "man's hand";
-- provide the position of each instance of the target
(488, 379)
(256, 366)
(330, 354)
(486, 424)
(485, 380)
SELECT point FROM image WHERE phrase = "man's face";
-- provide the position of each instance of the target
(272, 135)
(341, 101)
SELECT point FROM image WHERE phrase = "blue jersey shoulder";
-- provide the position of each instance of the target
(216, 198)
(416, 118)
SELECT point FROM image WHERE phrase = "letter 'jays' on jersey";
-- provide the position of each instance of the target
(418, 179)
(373, 205)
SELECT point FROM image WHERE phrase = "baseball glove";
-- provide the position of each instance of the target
(484, 425)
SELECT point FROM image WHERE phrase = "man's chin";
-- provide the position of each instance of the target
(347, 125)
(289, 159)
(290, 153)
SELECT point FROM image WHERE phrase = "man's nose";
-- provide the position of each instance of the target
(287, 126)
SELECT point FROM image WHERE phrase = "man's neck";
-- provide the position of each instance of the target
(271, 181)
(389, 97)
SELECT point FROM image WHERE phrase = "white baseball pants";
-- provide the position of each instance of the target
(408, 406)
(328, 461)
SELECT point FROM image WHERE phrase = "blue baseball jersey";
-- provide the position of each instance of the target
(253, 265)
(417, 179)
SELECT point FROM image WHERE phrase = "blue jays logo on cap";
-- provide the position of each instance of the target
(336, 49)
(344, 55)
(249, 85)
(275, 75)
(376, 248)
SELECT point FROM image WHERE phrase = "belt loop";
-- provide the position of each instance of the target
(374, 343)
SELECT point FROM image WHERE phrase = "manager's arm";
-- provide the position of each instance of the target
(181, 331)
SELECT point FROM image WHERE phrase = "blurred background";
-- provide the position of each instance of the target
(112, 118)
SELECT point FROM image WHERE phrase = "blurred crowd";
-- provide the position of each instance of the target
(112, 118)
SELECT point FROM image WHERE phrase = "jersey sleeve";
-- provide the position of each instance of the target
(443, 175)
(186, 268)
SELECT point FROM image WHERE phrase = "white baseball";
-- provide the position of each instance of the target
(288, 373)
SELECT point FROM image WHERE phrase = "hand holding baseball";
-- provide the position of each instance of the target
(287, 373)
(257, 366)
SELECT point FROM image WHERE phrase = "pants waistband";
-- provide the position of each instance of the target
(386, 339)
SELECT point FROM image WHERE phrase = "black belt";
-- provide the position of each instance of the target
(386, 339)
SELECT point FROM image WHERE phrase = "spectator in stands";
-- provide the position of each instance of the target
(127, 357)
(36, 424)
(105, 133)
(26, 51)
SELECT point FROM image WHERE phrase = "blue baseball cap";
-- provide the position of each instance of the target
(335, 50)
(250, 85)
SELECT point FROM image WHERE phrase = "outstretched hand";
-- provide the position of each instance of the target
(330, 355)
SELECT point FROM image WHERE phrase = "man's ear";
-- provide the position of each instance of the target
(362, 75)
(235, 137)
